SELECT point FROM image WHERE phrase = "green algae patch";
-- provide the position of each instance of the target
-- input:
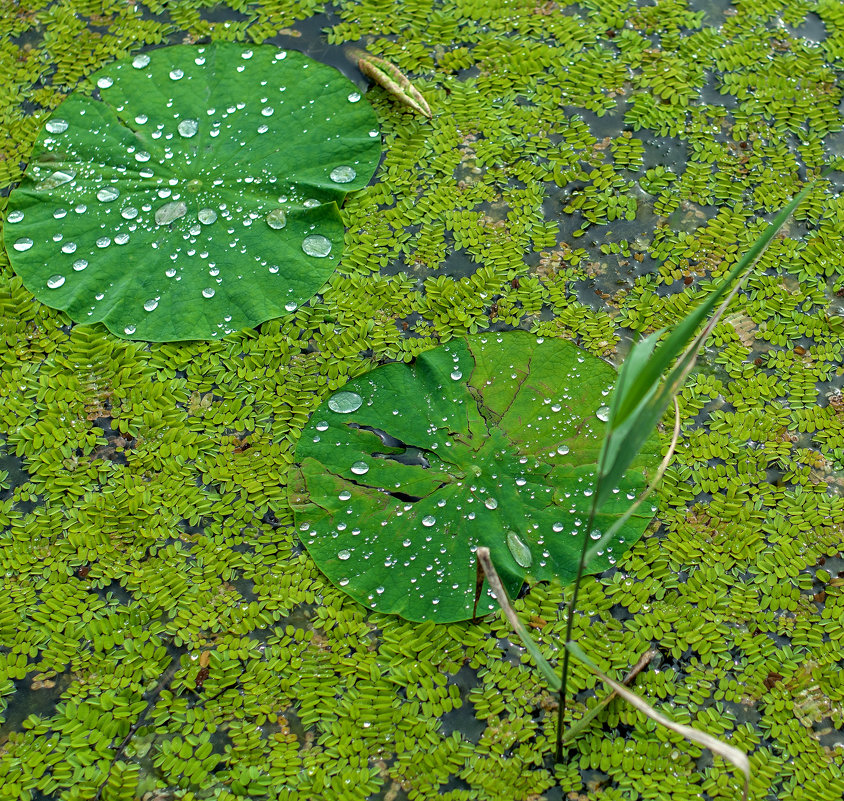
(486, 441)
(190, 192)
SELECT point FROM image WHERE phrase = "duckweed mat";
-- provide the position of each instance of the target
(588, 171)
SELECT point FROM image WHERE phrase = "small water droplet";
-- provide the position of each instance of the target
(379, 590)
(151, 304)
(199, 60)
(373, 134)
(170, 272)
(276, 219)
(140, 61)
(170, 212)
(142, 156)
(343, 174)
(428, 521)
(603, 413)
(267, 111)
(359, 468)
(68, 247)
(456, 375)
(208, 292)
(105, 82)
(344, 555)
(108, 193)
(345, 402)
(121, 239)
(262, 129)
(491, 503)
(56, 126)
(317, 245)
(14, 217)
(23, 244)
(246, 54)
(55, 281)
(354, 97)
(595, 535)
(519, 549)
(207, 216)
(141, 119)
(558, 527)
(562, 449)
(130, 329)
(79, 265)
(188, 128)
(176, 74)
(129, 213)
(291, 306)
(103, 242)
(311, 203)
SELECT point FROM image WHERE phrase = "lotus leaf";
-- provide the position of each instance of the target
(191, 191)
(487, 441)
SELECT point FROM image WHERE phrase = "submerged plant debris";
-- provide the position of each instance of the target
(194, 193)
(153, 580)
(490, 440)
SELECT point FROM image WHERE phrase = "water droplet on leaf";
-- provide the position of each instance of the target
(519, 549)
(345, 402)
(276, 219)
(317, 245)
(359, 468)
(188, 128)
(55, 281)
(170, 212)
(343, 174)
(56, 126)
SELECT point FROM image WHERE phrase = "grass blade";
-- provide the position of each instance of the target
(392, 79)
(730, 753)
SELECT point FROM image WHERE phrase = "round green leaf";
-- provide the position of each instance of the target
(192, 191)
(492, 440)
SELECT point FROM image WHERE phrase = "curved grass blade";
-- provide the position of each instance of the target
(391, 78)
(728, 752)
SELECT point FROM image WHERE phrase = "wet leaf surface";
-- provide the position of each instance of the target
(192, 191)
(490, 440)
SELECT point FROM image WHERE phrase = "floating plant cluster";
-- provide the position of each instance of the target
(153, 576)
(194, 192)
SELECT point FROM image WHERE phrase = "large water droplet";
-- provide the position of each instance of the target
(354, 97)
(55, 281)
(267, 111)
(80, 264)
(105, 82)
(68, 247)
(317, 245)
(176, 74)
(208, 292)
(188, 128)
(129, 213)
(345, 402)
(108, 193)
(562, 449)
(207, 216)
(596, 534)
(140, 61)
(343, 174)
(558, 527)
(519, 549)
(56, 126)
(151, 304)
(359, 468)
(456, 375)
(291, 306)
(103, 242)
(170, 272)
(603, 413)
(58, 178)
(142, 156)
(277, 219)
(141, 119)
(14, 217)
(23, 244)
(130, 329)
(170, 212)
(428, 521)
(311, 203)
(121, 239)
(491, 503)
(344, 555)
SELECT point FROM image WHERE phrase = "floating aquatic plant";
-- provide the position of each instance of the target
(491, 440)
(190, 192)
